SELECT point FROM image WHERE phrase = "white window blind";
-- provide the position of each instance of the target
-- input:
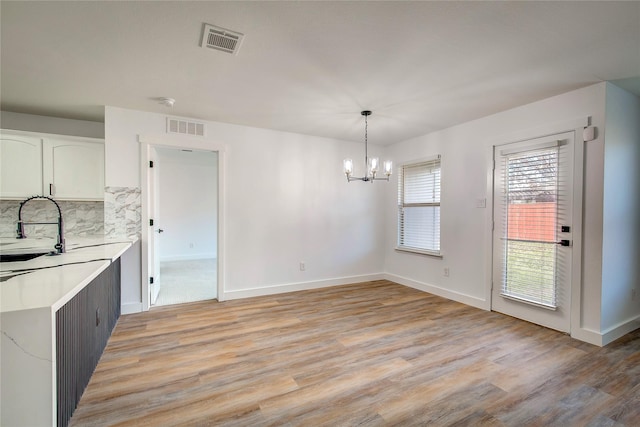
(531, 203)
(419, 207)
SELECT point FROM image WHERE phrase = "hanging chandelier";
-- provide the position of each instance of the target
(372, 165)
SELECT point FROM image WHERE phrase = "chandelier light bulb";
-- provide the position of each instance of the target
(388, 167)
(373, 165)
(348, 167)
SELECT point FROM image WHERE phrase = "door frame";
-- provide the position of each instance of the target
(577, 126)
(148, 143)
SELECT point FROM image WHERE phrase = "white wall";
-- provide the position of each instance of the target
(188, 201)
(130, 279)
(46, 124)
(466, 176)
(621, 218)
(287, 201)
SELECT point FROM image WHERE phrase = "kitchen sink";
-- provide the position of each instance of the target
(20, 257)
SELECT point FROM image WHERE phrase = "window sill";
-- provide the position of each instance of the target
(420, 252)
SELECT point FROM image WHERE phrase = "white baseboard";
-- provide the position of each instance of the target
(588, 336)
(189, 257)
(620, 330)
(293, 287)
(131, 307)
(608, 336)
(441, 292)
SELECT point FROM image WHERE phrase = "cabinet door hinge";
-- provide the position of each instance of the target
(150, 163)
(151, 280)
(150, 223)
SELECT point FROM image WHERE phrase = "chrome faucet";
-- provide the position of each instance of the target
(60, 247)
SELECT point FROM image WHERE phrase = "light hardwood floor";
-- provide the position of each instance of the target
(374, 353)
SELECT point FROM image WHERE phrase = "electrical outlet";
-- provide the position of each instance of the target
(191, 245)
(302, 266)
(446, 272)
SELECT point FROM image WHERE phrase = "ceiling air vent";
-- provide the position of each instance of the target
(184, 127)
(221, 39)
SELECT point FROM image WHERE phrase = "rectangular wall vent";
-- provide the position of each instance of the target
(221, 39)
(184, 127)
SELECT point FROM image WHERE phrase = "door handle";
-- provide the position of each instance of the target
(160, 230)
(564, 243)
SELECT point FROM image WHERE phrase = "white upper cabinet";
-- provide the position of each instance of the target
(65, 168)
(20, 165)
(73, 170)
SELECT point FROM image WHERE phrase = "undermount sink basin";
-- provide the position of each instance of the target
(20, 257)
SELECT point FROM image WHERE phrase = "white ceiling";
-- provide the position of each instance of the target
(311, 67)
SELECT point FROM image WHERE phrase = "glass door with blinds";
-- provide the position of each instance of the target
(532, 247)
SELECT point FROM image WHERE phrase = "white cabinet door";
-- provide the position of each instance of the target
(73, 170)
(20, 166)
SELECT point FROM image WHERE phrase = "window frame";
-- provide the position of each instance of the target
(435, 160)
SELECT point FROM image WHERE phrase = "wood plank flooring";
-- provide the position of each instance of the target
(371, 354)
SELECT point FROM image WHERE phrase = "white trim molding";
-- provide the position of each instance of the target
(608, 336)
(147, 144)
(620, 330)
(300, 286)
(441, 292)
(131, 307)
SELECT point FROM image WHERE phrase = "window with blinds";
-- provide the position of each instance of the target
(419, 207)
(530, 249)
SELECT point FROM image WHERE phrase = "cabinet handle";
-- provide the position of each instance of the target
(51, 189)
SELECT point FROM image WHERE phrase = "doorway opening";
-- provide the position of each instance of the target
(186, 225)
(183, 216)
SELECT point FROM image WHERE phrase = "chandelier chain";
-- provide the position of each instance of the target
(366, 145)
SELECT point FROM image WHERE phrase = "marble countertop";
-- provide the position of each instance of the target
(52, 280)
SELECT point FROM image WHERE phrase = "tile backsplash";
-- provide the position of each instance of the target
(80, 218)
(122, 207)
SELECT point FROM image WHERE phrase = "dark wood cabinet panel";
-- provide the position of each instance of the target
(83, 327)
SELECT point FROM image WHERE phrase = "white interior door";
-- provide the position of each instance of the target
(154, 234)
(532, 244)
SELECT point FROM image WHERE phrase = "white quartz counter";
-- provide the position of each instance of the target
(30, 294)
(52, 280)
